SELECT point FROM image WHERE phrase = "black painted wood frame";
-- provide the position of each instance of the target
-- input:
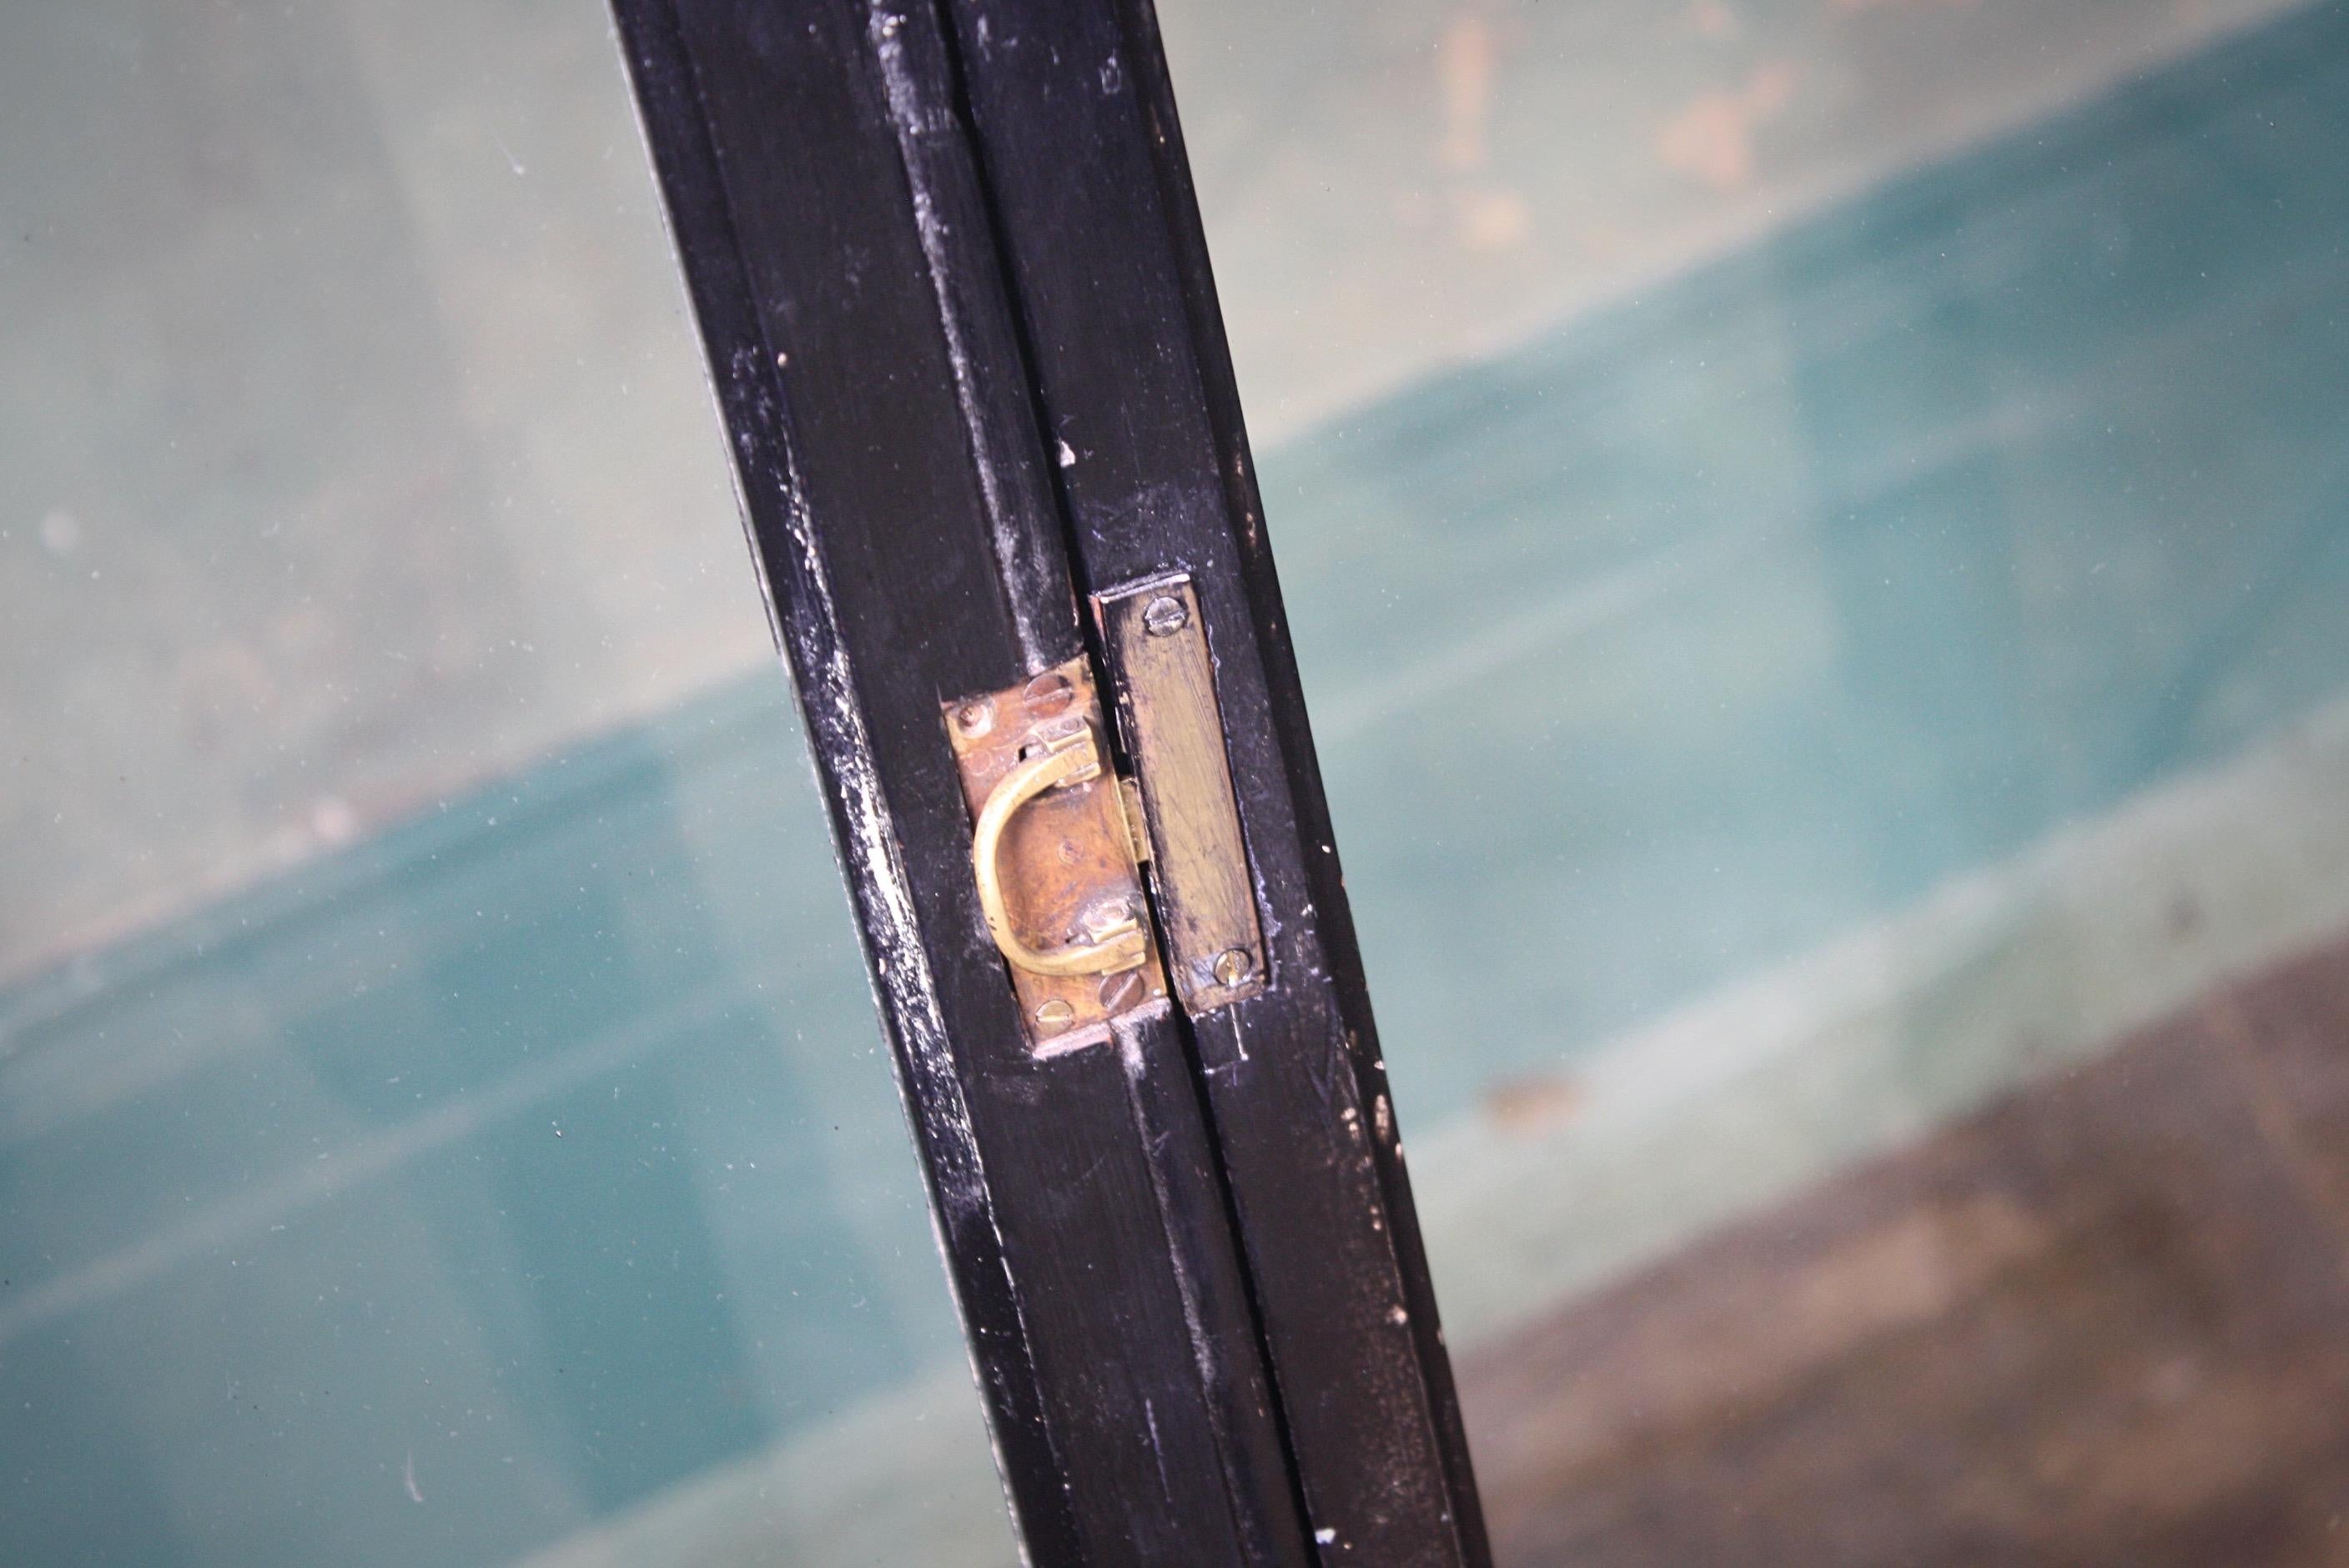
(950, 278)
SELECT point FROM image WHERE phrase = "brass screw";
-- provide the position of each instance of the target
(1049, 694)
(1055, 1014)
(1233, 966)
(1165, 616)
(1121, 991)
(976, 717)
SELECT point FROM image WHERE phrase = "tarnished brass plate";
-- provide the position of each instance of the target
(1053, 854)
(1174, 729)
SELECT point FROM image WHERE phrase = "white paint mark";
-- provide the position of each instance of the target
(1127, 1030)
(408, 1476)
(1324, 1536)
(1068, 457)
(923, 1063)
(1165, 1485)
(1015, 552)
(1073, 1042)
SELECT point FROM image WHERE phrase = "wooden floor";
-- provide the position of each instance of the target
(2105, 1321)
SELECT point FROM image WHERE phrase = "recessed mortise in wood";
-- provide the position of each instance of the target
(1053, 855)
(1172, 726)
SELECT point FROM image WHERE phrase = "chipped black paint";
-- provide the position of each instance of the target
(1108, 272)
(928, 244)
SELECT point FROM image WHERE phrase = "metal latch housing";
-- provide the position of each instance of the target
(1054, 854)
(1059, 841)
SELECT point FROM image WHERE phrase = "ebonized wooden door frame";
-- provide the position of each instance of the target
(950, 279)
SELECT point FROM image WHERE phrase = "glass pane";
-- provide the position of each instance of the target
(1816, 536)
(441, 1112)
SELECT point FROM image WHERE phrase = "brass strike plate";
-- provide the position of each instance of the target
(1054, 854)
(1174, 729)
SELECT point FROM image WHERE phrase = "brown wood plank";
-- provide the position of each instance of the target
(2106, 1320)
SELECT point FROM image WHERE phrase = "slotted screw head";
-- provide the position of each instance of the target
(1055, 1014)
(1233, 966)
(1165, 616)
(1048, 694)
(1121, 991)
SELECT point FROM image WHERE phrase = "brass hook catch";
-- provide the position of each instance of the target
(1118, 945)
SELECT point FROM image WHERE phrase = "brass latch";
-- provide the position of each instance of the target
(1054, 855)
(1058, 841)
(1111, 944)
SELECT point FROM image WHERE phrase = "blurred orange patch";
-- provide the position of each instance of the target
(1711, 140)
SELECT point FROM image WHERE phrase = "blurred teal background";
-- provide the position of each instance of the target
(525, 1159)
(1728, 617)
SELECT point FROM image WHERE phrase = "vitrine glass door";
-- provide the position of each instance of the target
(1814, 540)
